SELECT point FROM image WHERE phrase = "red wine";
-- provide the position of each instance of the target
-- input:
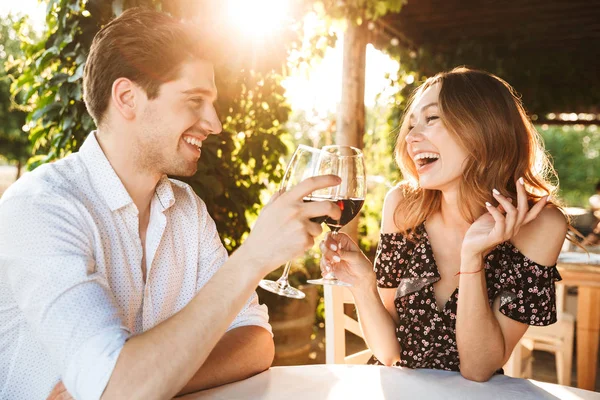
(349, 207)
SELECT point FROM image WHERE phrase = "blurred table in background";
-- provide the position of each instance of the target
(583, 271)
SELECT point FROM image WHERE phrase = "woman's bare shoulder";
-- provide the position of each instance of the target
(541, 239)
(391, 214)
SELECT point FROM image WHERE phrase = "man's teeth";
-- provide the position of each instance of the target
(193, 141)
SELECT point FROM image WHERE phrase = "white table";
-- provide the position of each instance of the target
(370, 382)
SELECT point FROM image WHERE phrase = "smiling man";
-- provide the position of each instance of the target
(113, 280)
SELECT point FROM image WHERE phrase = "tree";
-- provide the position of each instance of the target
(575, 153)
(236, 166)
(14, 145)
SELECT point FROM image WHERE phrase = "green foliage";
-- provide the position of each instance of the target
(575, 152)
(14, 145)
(235, 167)
(238, 165)
(382, 171)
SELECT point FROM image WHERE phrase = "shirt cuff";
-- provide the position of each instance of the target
(88, 371)
(257, 315)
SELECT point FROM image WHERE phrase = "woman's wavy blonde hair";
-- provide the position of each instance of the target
(485, 116)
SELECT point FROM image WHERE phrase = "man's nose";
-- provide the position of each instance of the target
(210, 122)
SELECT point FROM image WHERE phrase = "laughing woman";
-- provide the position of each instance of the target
(470, 239)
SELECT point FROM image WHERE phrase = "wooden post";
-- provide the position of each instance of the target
(351, 115)
(588, 331)
(335, 334)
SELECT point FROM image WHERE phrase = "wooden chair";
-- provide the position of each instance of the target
(336, 325)
(556, 338)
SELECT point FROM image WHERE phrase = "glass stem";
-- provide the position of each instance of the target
(283, 280)
(331, 274)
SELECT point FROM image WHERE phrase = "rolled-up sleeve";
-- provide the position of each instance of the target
(252, 314)
(50, 269)
(212, 256)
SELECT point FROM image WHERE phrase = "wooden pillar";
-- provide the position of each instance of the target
(351, 115)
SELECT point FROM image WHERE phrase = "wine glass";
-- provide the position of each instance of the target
(303, 165)
(348, 163)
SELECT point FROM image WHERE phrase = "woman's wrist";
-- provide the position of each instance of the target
(470, 262)
(367, 284)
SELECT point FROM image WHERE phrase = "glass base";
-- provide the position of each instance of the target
(329, 281)
(282, 290)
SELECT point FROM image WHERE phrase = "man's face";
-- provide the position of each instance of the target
(175, 123)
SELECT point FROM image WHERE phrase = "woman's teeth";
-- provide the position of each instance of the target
(426, 158)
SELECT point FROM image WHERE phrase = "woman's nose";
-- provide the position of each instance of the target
(414, 135)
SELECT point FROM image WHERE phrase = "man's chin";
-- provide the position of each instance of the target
(184, 172)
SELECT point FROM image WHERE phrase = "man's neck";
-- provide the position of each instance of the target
(119, 150)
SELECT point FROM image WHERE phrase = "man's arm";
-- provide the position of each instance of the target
(162, 360)
(240, 354)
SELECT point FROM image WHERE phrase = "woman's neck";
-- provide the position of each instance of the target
(450, 211)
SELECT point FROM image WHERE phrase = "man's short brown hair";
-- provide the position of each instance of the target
(143, 45)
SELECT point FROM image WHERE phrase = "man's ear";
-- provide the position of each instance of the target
(124, 98)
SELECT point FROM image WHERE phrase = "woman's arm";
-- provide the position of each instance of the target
(486, 337)
(376, 310)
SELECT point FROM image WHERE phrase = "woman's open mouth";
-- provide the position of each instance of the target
(425, 160)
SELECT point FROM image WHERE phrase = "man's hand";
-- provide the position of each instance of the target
(284, 229)
(59, 393)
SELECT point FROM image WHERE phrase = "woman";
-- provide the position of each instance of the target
(470, 238)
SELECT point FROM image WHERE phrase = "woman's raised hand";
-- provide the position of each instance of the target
(496, 226)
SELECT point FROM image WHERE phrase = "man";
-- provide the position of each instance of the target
(113, 280)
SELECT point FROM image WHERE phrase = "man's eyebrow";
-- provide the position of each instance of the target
(201, 91)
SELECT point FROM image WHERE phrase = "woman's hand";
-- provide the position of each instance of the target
(495, 227)
(344, 258)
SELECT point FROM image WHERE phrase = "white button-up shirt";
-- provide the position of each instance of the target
(71, 284)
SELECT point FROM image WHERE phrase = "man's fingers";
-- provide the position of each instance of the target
(314, 229)
(307, 186)
(276, 196)
(322, 208)
(57, 391)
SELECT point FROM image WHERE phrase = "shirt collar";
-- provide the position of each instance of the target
(164, 193)
(106, 181)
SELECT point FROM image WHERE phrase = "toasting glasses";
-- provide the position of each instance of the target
(347, 163)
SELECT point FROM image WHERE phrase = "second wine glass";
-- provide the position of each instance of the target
(348, 163)
(303, 165)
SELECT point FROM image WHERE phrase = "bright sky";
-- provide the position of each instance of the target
(33, 8)
(316, 89)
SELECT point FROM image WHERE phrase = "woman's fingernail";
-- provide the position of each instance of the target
(548, 198)
(497, 193)
(521, 181)
(337, 259)
(487, 204)
(333, 247)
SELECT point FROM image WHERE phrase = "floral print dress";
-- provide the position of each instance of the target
(426, 334)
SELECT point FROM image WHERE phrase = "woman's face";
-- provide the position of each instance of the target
(438, 158)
